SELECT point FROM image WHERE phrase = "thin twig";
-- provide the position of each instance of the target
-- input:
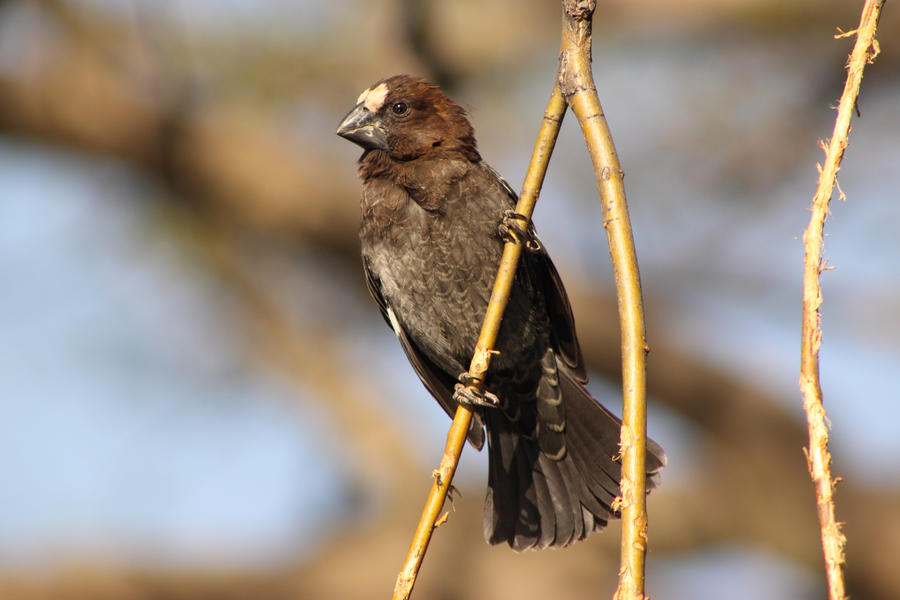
(577, 84)
(818, 456)
(456, 438)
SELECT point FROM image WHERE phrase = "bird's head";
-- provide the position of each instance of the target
(408, 117)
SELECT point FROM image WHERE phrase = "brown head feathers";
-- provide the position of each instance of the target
(419, 121)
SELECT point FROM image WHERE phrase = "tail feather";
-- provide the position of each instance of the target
(547, 517)
(563, 500)
(514, 499)
(536, 499)
(592, 438)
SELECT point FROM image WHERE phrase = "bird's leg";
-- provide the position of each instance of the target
(463, 394)
(515, 227)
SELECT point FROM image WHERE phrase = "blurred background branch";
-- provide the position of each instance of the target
(191, 152)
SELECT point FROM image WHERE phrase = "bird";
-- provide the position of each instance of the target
(434, 219)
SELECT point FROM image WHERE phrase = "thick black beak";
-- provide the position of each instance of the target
(361, 127)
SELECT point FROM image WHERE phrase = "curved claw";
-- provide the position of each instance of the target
(470, 397)
(467, 378)
(515, 227)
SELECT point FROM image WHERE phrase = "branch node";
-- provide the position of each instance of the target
(844, 34)
(580, 10)
(442, 519)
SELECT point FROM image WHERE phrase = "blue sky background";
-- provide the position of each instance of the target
(135, 425)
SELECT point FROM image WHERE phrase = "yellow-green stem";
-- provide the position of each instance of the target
(577, 84)
(456, 438)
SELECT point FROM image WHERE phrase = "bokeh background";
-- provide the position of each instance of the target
(198, 400)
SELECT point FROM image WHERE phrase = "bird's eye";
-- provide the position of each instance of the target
(401, 109)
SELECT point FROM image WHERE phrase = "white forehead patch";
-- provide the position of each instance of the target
(373, 98)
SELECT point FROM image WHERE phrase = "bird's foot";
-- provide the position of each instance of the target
(463, 394)
(470, 397)
(516, 227)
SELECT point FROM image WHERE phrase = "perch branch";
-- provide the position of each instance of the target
(456, 437)
(577, 84)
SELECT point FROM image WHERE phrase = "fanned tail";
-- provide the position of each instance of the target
(552, 483)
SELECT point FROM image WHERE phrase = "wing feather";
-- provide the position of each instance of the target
(558, 307)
